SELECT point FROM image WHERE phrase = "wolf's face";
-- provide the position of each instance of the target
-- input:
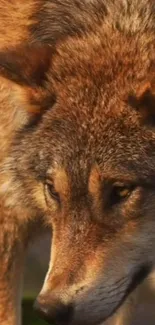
(85, 163)
(92, 178)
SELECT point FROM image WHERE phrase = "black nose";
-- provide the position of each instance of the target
(54, 312)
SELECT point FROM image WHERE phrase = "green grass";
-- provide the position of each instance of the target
(29, 316)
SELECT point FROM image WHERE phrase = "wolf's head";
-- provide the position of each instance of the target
(85, 158)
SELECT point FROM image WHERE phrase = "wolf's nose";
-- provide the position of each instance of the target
(54, 312)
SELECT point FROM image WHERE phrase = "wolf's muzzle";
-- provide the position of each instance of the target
(54, 312)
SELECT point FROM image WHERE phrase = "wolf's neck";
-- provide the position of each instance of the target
(11, 271)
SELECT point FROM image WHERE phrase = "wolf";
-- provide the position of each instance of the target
(77, 141)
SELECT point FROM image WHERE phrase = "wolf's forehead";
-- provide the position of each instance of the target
(85, 140)
(117, 147)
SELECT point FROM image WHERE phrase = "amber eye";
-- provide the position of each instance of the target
(51, 191)
(120, 192)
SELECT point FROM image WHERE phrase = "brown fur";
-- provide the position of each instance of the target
(16, 19)
(77, 149)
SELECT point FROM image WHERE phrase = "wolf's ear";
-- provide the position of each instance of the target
(27, 69)
(26, 66)
(144, 101)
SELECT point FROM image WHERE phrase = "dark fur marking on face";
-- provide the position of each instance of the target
(137, 279)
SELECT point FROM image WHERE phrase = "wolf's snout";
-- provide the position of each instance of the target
(53, 311)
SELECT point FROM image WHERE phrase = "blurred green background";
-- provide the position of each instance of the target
(29, 316)
(35, 269)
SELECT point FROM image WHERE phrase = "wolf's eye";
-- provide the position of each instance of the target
(119, 192)
(52, 192)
